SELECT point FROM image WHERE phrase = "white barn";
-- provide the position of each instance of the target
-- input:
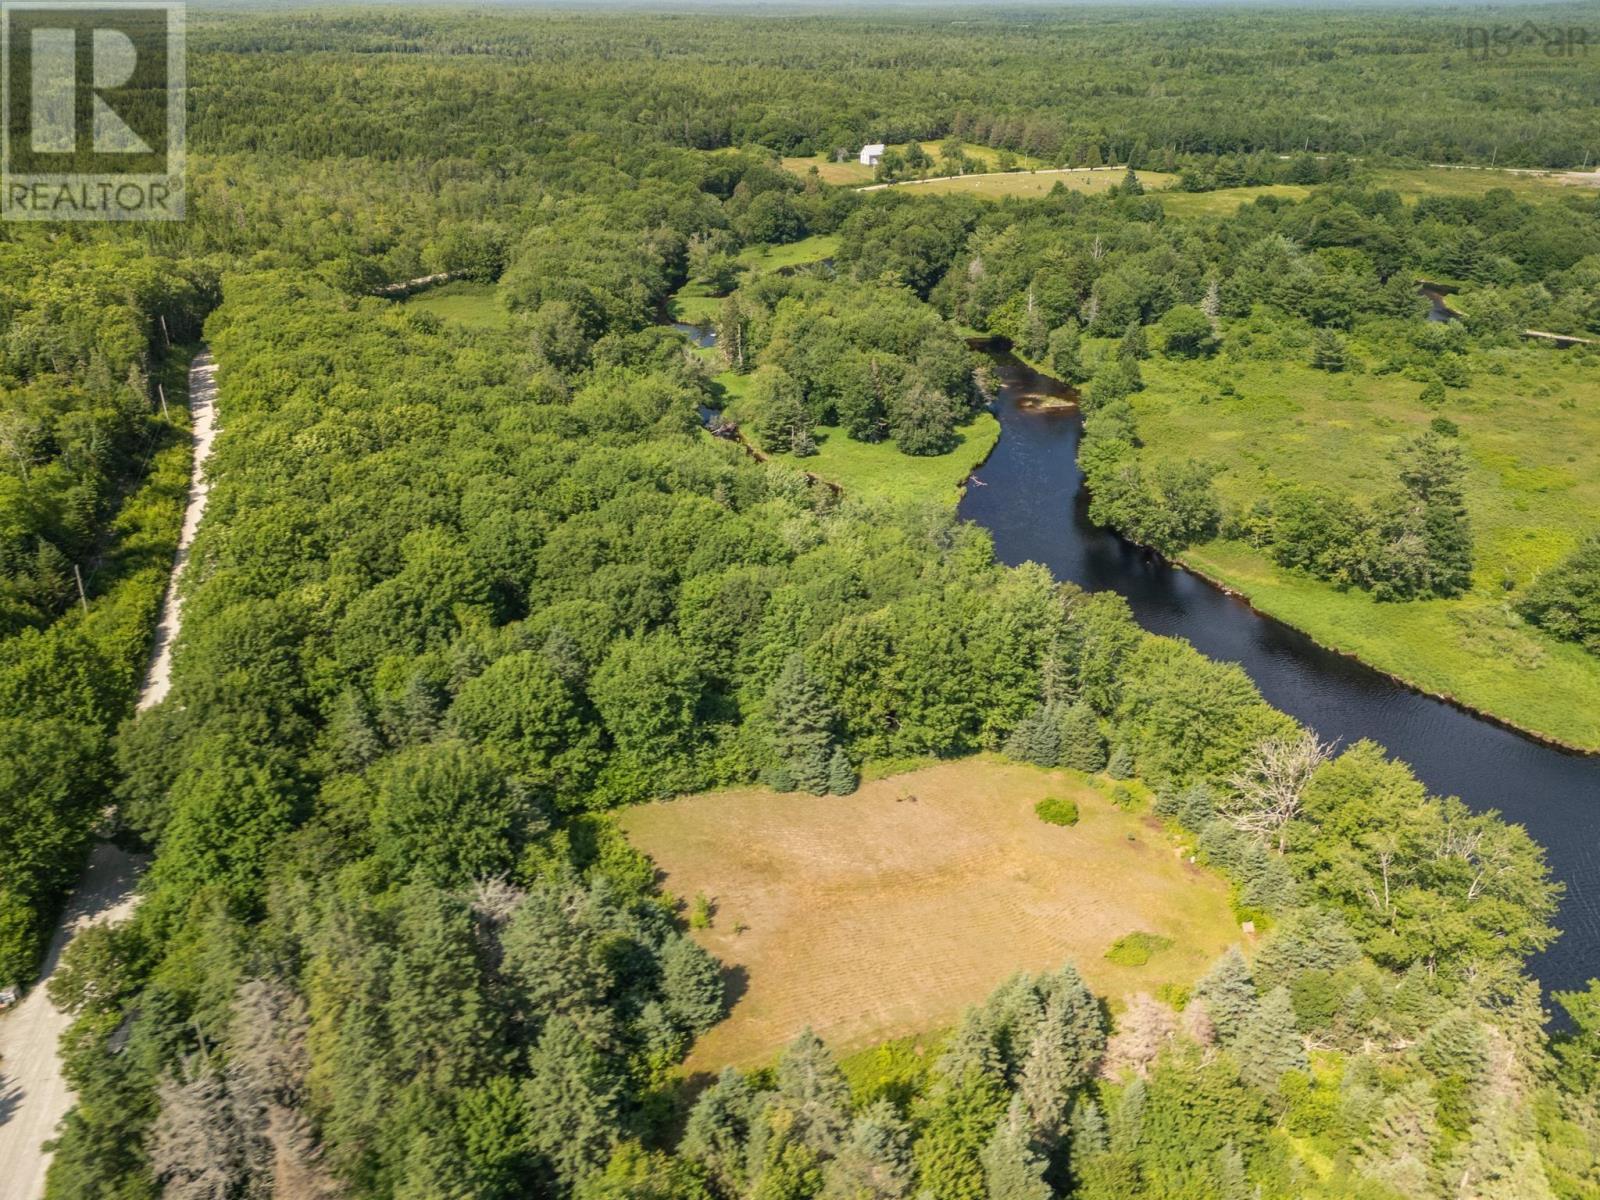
(871, 154)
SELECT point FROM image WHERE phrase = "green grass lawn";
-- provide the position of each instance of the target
(1411, 182)
(791, 254)
(1224, 202)
(1530, 429)
(693, 304)
(474, 304)
(878, 469)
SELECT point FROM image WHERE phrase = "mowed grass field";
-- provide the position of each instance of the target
(1030, 183)
(1530, 431)
(852, 172)
(1412, 183)
(885, 913)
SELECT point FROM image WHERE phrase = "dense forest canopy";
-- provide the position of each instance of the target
(461, 592)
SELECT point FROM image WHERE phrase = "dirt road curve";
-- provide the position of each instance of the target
(33, 1095)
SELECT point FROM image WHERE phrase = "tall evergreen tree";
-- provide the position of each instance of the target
(875, 1161)
(1082, 746)
(1036, 739)
(1134, 344)
(957, 1122)
(691, 985)
(719, 1129)
(813, 1088)
(1229, 994)
(1012, 1168)
(1066, 1048)
(572, 1098)
(1398, 1149)
(842, 777)
(1270, 1043)
(801, 720)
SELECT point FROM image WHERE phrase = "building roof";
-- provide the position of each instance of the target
(874, 148)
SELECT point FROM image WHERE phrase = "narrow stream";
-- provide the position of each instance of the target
(1033, 504)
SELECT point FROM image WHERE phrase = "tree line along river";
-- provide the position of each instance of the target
(1034, 506)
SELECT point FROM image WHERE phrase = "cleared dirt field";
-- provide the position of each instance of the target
(877, 915)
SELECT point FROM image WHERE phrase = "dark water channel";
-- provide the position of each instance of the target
(1030, 497)
(1032, 502)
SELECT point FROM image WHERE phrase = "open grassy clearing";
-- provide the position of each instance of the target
(814, 249)
(695, 304)
(1411, 182)
(1032, 183)
(885, 913)
(852, 172)
(474, 304)
(878, 469)
(1530, 428)
(1224, 202)
(1474, 181)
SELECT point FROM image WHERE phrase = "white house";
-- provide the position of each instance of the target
(871, 154)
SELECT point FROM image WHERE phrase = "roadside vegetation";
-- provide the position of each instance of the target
(93, 475)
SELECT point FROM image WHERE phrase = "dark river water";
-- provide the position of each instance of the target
(1032, 502)
(1030, 498)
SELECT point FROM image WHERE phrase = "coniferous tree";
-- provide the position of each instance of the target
(1067, 1046)
(572, 1099)
(842, 777)
(1120, 765)
(1083, 748)
(957, 1123)
(801, 720)
(691, 985)
(1134, 344)
(1270, 1044)
(1012, 1168)
(1398, 1149)
(814, 1090)
(1328, 351)
(1037, 738)
(1089, 1135)
(971, 1049)
(1064, 352)
(875, 1162)
(1130, 183)
(719, 1130)
(1229, 993)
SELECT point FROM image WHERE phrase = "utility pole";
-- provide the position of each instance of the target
(83, 597)
(162, 392)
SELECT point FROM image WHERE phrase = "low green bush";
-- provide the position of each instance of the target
(1136, 949)
(1057, 811)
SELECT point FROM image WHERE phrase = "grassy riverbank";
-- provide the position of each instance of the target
(1532, 446)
